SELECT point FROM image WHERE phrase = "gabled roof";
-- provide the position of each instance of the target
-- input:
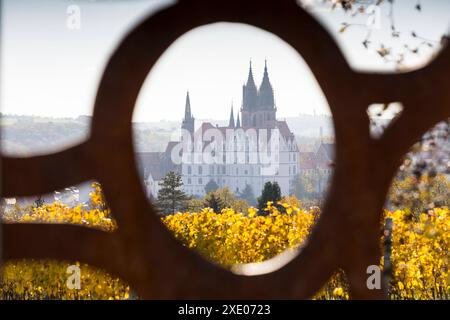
(325, 155)
(284, 129)
(329, 150)
(157, 172)
(153, 163)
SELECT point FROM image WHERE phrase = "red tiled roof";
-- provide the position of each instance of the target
(284, 129)
(282, 126)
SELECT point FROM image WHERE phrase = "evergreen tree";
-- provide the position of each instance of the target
(227, 199)
(214, 202)
(171, 197)
(248, 195)
(211, 186)
(271, 192)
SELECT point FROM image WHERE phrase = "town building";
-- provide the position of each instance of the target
(251, 150)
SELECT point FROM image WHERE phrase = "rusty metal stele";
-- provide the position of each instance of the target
(143, 252)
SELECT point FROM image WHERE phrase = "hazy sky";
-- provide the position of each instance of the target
(49, 70)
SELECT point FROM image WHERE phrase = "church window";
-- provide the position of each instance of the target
(189, 170)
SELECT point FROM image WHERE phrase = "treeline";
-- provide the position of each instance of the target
(171, 197)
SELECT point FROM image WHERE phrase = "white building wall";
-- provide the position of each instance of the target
(238, 171)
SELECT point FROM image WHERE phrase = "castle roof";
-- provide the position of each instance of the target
(149, 162)
(282, 127)
(327, 149)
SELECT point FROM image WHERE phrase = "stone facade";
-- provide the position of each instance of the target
(252, 152)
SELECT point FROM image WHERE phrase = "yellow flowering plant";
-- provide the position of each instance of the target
(420, 251)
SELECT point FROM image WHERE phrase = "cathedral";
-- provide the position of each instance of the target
(249, 151)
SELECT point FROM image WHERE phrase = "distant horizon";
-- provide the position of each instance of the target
(59, 69)
(161, 120)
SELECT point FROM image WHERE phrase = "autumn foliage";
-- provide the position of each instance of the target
(420, 254)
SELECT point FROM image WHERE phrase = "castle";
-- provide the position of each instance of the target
(254, 149)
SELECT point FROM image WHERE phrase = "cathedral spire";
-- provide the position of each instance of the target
(249, 92)
(250, 80)
(266, 99)
(238, 122)
(188, 122)
(231, 123)
(266, 74)
(187, 108)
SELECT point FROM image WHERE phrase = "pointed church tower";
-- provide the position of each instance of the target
(231, 122)
(238, 121)
(249, 98)
(266, 100)
(188, 121)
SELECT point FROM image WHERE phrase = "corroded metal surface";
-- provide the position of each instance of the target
(143, 252)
